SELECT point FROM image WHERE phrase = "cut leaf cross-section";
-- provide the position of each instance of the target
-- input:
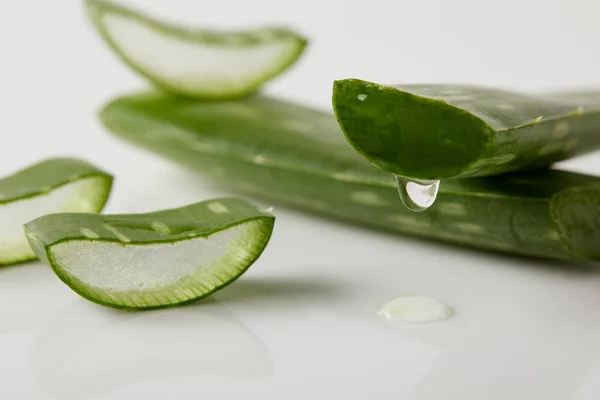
(196, 63)
(51, 186)
(442, 131)
(152, 260)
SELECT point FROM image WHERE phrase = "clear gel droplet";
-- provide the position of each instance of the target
(417, 195)
(415, 309)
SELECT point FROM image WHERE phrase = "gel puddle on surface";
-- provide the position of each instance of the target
(417, 195)
(415, 309)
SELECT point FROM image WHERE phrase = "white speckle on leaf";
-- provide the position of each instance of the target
(538, 119)
(367, 198)
(267, 210)
(344, 177)
(505, 107)
(451, 208)
(469, 227)
(361, 97)
(118, 234)
(259, 159)
(561, 129)
(161, 227)
(218, 208)
(88, 233)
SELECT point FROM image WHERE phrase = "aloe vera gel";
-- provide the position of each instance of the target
(417, 195)
(197, 63)
(158, 259)
(50, 186)
(413, 309)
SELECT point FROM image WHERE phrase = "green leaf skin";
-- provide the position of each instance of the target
(196, 63)
(53, 185)
(159, 259)
(435, 132)
(296, 156)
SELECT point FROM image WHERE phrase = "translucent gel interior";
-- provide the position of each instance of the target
(119, 268)
(79, 196)
(191, 65)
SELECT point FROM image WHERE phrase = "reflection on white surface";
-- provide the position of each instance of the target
(524, 330)
(20, 286)
(590, 385)
(517, 338)
(505, 368)
(87, 350)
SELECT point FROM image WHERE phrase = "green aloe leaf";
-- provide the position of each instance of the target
(158, 259)
(440, 131)
(50, 186)
(193, 62)
(297, 156)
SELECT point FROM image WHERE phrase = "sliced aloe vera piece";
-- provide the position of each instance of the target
(50, 186)
(439, 131)
(297, 156)
(192, 62)
(159, 259)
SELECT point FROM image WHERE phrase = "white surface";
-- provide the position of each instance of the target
(302, 323)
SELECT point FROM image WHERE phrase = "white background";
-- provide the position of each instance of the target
(302, 323)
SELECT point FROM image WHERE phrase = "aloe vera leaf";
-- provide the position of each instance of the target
(50, 186)
(296, 156)
(447, 131)
(152, 260)
(193, 62)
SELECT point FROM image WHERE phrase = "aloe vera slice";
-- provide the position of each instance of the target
(435, 132)
(158, 259)
(196, 63)
(296, 156)
(50, 186)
